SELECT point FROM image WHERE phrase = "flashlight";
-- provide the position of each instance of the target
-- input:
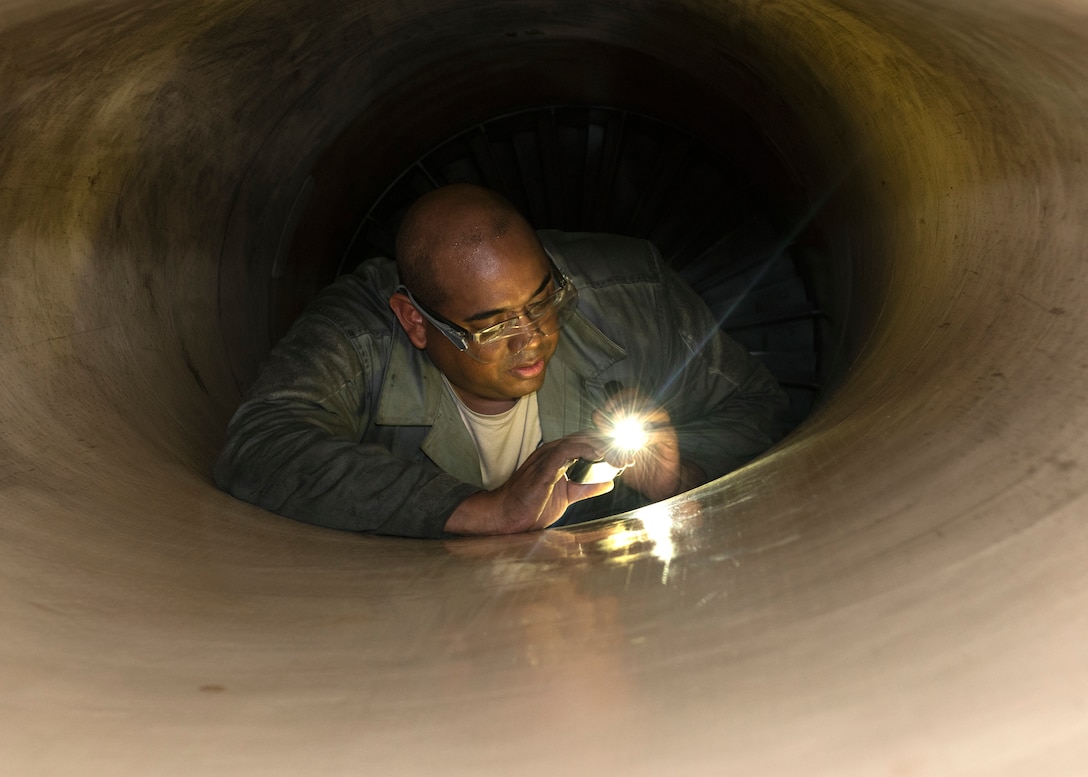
(585, 471)
(628, 435)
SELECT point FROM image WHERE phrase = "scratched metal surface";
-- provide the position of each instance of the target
(897, 589)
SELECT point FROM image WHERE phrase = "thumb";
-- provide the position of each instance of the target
(576, 492)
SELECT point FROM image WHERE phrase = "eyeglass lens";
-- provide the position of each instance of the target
(545, 318)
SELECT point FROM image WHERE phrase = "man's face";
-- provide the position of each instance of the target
(487, 284)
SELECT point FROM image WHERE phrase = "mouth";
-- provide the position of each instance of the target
(529, 370)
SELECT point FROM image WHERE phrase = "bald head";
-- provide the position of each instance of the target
(443, 229)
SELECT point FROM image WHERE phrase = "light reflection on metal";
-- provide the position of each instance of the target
(657, 522)
(661, 532)
(647, 533)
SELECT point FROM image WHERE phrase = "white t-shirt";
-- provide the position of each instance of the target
(503, 441)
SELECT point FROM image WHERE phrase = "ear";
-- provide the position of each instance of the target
(411, 321)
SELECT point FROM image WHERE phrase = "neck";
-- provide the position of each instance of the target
(485, 406)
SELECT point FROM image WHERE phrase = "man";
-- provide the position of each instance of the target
(449, 394)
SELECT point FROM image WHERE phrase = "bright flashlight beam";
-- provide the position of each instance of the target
(629, 434)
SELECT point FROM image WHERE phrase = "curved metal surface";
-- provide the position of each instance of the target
(897, 589)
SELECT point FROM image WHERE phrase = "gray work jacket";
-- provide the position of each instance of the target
(350, 426)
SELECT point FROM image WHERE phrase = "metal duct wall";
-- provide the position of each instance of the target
(897, 589)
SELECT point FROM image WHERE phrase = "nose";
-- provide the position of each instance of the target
(528, 331)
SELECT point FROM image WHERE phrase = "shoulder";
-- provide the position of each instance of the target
(345, 330)
(601, 260)
(358, 302)
(618, 278)
(622, 286)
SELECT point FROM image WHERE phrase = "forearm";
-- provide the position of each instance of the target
(739, 427)
(477, 514)
(691, 476)
(727, 406)
(286, 462)
(677, 478)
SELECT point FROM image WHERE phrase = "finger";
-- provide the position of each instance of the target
(579, 445)
(656, 416)
(661, 437)
(644, 409)
(627, 396)
(594, 437)
(566, 456)
(621, 459)
(576, 492)
(626, 402)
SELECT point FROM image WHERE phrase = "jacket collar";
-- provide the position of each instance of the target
(413, 394)
(584, 352)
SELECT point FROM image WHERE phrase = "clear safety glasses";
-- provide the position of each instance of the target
(491, 344)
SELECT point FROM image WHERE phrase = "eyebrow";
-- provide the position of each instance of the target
(491, 313)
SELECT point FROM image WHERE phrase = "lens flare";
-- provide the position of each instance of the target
(629, 434)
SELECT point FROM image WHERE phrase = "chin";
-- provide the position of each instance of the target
(524, 388)
(516, 389)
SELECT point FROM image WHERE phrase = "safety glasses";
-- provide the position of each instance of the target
(492, 343)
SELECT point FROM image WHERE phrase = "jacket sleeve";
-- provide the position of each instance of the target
(295, 445)
(726, 405)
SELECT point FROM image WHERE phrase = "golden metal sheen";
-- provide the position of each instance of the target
(899, 588)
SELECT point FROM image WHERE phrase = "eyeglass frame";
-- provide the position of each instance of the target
(459, 336)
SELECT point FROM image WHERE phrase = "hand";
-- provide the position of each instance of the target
(536, 495)
(658, 471)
